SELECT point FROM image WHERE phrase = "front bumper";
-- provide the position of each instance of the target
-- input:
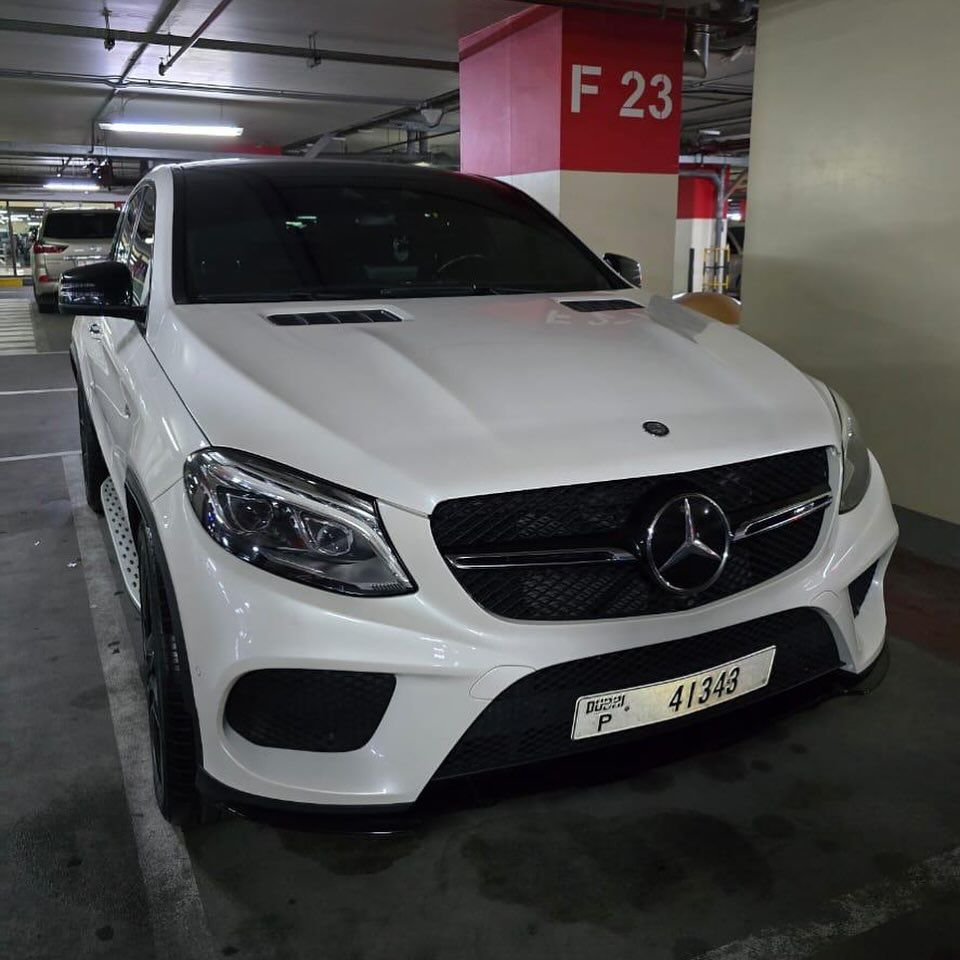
(450, 657)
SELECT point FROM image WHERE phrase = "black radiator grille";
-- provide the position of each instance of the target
(329, 711)
(532, 719)
(612, 513)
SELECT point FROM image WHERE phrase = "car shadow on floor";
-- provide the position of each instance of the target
(664, 850)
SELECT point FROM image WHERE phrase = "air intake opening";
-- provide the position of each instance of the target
(333, 317)
(860, 587)
(598, 306)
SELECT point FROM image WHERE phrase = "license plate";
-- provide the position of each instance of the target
(616, 710)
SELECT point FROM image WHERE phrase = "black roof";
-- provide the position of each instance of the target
(335, 171)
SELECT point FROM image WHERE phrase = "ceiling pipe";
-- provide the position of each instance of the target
(164, 66)
(152, 38)
(384, 149)
(110, 36)
(201, 90)
(717, 180)
(16, 148)
(696, 52)
(441, 100)
(714, 159)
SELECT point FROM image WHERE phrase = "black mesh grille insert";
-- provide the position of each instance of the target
(595, 306)
(333, 316)
(614, 514)
(532, 719)
(858, 588)
(322, 710)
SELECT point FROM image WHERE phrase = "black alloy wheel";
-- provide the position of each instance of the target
(172, 747)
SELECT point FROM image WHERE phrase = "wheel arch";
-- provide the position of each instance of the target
(140, 514)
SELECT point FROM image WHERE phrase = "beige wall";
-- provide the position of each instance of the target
(630, 213)
(852, 265)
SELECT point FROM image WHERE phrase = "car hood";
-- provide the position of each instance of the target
(485, 394)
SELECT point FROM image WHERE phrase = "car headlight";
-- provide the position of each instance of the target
(292, 525)
(856, 457)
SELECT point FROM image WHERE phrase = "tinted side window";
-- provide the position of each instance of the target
(128, 220)
(140, 257)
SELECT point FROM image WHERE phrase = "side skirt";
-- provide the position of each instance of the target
(122, 538)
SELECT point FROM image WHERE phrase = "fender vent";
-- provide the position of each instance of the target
(333, 316)
(596, 306)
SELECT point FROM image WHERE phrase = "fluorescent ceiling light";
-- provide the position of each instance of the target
(709, 131)
(84, 185)
(176, 129)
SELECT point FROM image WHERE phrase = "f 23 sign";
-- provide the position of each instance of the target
(620, 105)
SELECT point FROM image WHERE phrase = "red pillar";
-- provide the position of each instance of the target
(582, 110)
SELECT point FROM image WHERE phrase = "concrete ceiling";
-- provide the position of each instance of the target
(424, 28)
(60, 106)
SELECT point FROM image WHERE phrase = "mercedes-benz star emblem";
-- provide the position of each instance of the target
(687, 543)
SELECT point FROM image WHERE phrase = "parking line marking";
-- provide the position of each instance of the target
(850, 915)
(40, 456)
(30, 353)
(16, 328)
(180, 929)
(22, 393)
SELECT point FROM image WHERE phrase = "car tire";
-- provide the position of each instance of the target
(46, 303)
(94, 466)
(172, 745)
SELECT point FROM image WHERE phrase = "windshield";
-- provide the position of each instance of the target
(255, 235)
(80, 224)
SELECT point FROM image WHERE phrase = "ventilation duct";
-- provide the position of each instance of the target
(696, 54)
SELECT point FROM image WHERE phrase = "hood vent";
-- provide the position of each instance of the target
(597, 306)
(333, 316)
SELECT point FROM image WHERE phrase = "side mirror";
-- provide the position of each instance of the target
(100, 288)
(627, 267)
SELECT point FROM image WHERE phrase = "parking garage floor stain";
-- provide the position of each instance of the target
(763, 825)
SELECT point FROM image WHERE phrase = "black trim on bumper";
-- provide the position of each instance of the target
(530, 720)
(872, 677)
(249, 803)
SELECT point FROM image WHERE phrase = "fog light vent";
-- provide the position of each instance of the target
(327, 711)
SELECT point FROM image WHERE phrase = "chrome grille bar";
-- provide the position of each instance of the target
(584, 556)
(782, 516)
(540, 558)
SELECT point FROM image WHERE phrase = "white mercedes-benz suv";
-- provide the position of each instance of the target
(419, 487)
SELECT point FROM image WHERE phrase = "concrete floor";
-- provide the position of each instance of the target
(827, 831)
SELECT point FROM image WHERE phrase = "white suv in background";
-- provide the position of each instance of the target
(68, 238)
(419, 486)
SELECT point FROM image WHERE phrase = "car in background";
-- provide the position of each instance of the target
(68, 239)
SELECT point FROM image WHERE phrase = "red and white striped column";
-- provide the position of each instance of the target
(696, 240)
(582, 110)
